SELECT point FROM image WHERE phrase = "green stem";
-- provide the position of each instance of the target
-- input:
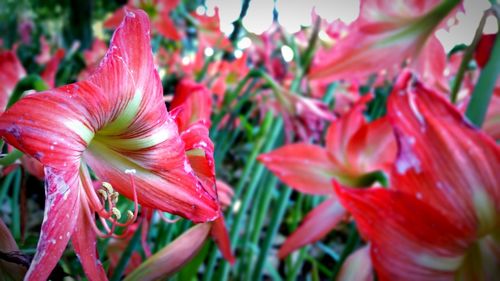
(243, 180)
(481, 96)
(16, 214)
(262, 202)
(469, 53)
(309, 52)
(238, 223)
(271, 233)
(4, 188)
(297, 266)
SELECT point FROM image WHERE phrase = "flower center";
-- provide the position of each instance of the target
(103, 201)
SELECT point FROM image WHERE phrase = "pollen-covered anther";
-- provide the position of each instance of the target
(130, 216)
(103, 194)
(116, 213)
(114, 197)
(108, 187)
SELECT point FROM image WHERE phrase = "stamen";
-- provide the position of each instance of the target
(116, 213)
(94, 198)
(108, 187)
(106, 193)
(114, 197)
(103, 194)
(97, 231)
(130, 216)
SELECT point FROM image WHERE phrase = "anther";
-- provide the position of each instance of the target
(114, 197)
(103, 194)
(116, 213)
(130, 216)
(108, 187)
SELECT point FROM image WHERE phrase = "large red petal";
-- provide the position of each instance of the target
(304, 167)
(315, 226)
(128, 77)
(410, 240)
(55, 126)
(84, 242)
(221, 238)
(442, 158)
(61, 213)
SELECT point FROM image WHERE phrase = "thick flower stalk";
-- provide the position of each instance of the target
(115, 124)
(440, 218)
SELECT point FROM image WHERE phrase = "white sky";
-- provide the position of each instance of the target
(294, 13)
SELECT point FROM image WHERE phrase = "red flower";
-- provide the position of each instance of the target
(385, 31)
(192, 105)
(115, 123)
(439, 219)
(210, 34)
(11, 71)
(354, 150)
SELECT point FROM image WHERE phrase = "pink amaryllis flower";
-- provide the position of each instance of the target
(354, 151)
(440, 218)
(385, 31)
(192, 105)
(116, 124)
